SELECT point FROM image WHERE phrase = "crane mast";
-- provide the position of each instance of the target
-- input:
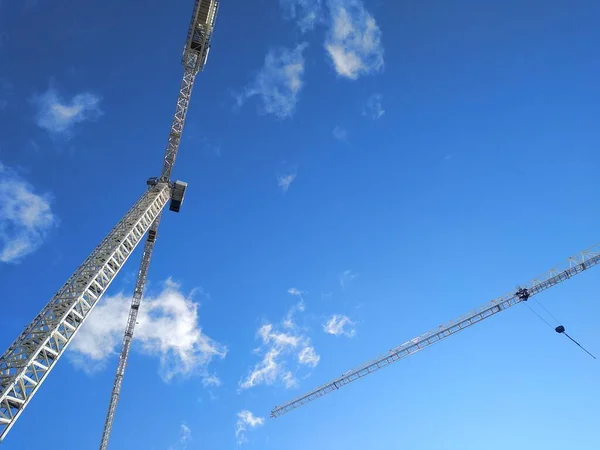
(573, 266)
(31, 357)
(195, 54)
(128, 335)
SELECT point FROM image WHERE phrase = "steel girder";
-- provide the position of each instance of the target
(29, 360)
(573, 266)
(138, 292)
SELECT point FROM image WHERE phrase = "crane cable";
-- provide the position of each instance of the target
(559, 329)
(538, 315)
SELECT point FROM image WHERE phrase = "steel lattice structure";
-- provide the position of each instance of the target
(194, 57)
(28, 361)
(573, 266)
(129, 328)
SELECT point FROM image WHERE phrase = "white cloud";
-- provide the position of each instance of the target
(279, 82)
(25, 217)
(341, 134)
(347, 277)
(306, 13)
(339, 325)
(167, 327)
(373, 107)
(211, 380)
(245, 421)
(185, 436)
(279, 339)
(280, 346)
(309, 357)
(59, 116)
(296, 292)
(354, 39)
(284, 181)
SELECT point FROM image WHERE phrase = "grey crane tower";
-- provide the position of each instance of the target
(31, 357)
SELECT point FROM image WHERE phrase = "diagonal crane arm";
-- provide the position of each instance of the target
(194, 58)
(573, 266)
(31, 357)
(128, 336)
(195, 54)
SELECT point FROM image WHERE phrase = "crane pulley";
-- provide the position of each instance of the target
(573, 266)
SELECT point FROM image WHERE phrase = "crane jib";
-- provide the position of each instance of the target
(576, 265)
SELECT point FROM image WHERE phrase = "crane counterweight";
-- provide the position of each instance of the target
(177, 195)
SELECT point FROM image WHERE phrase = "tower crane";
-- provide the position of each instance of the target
(573, 266)
(31, 357)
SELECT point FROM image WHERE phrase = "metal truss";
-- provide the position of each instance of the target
(573, 266)
(25, 365)
(29, 360)
(183, 101)
(128, 336)
(194, 57)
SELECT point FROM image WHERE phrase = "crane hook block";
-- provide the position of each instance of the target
(523, 294)
(177, 194)
(560, 329)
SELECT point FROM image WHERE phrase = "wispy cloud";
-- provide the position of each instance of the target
(246, 421)
(25, 217)
(278, 83)
(211, 380)
(284, 181)
(59, 116)
(168, 328)
(296, 292)
(339, 325)
(346, 277)
(308, 357)
(279, 344)
(306, 13)
(340, 133)
(354, 39)
(185, 436)
(373, 107)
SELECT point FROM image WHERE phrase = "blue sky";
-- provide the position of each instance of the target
(359, 172)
